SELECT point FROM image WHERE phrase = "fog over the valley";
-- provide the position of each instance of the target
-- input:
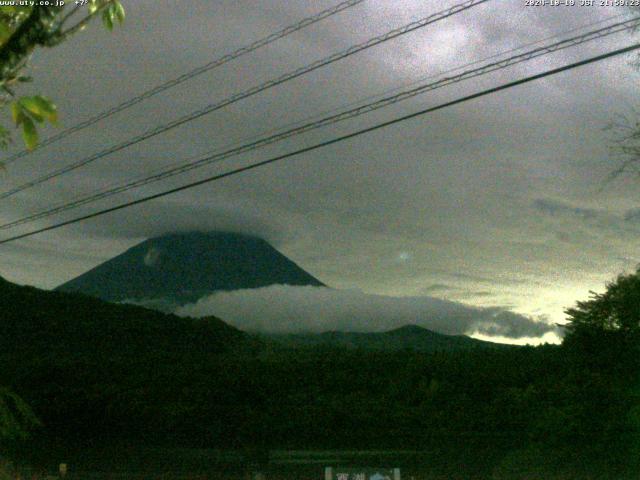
(291, 309)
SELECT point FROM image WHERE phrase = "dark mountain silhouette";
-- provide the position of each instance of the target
(411, 337)
(36, 324)
(177, 269)
(90, 368)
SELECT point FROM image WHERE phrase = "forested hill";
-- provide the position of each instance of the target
(408, 337)
(95, 370)
(39, 324)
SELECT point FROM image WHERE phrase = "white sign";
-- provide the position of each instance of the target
(331, 473)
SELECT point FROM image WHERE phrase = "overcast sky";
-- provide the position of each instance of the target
(495, 202)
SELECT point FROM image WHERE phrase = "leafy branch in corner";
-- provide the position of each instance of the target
(23, 29)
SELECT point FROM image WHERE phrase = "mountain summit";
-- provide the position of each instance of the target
(181, 268)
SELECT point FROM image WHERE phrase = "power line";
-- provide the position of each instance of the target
(484, 59)
(332, 119)
(329, 142)
(252, 91)
(191, 74)
(366, 108)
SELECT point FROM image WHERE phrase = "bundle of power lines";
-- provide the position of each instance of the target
(471, 70)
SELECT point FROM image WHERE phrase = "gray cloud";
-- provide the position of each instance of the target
(282, 308)
(554, 207)
(173, 217)
(438, 287)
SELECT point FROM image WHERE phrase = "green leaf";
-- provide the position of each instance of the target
(39, 108)
(16, 418)
(16, 113)
(30, 105)
(29, 133)
(47, 108)
(107, 19)
(119, 11)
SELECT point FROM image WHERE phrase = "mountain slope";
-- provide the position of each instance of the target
(94, 371)
(41, 324)
(181, 268)
(409, 337)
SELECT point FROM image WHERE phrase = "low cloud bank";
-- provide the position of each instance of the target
(288, 309)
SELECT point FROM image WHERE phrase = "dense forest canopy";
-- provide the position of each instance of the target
(99, 375)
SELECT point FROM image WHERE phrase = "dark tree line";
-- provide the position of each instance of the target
(100, 375)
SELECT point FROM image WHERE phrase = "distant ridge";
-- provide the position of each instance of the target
(178, 269)
(408, 337)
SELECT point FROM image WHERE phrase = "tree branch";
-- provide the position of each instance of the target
(31, 32)
(69, 15)
(61, 36)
